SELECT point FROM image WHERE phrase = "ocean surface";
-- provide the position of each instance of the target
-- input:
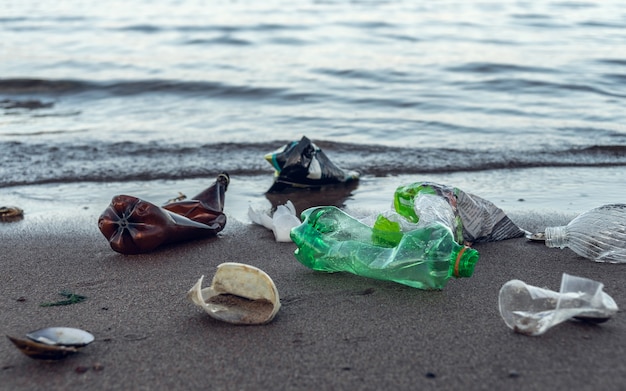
(520, 102)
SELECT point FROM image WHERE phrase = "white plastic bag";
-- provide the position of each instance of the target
(281, 222)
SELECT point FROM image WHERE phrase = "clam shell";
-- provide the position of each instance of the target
(239, 294)
(65, 336)
(52, 343)
(42, 351)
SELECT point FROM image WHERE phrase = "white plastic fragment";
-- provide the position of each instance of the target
(281, 223)
(239, 294)
(532, 311)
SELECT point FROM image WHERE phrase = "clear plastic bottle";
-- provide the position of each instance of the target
(598, 234)
(532, 311)
(426, 258)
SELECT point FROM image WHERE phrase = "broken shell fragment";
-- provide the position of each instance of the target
(239, 294)
(52, 343)
(11, 213)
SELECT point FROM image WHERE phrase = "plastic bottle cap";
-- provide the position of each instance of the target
(458, 261)
(465, 261)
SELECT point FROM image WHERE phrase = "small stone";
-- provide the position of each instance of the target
(81, 369)
(513, 374)
(367, 291)
(430, 375)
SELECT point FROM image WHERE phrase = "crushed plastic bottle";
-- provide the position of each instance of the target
(430, 208)
(475, 219)
(532, 311)
(132, 225)
(330, 240)
(598, 234)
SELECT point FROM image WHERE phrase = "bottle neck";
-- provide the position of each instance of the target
(213, 196)
(463, 261)
(556, 236)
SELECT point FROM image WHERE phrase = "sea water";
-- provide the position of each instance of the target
(519, 102)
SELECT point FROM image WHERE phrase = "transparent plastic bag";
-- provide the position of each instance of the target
(532, 310)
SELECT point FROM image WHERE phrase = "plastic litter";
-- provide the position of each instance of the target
(239, 294)
(472, 219)
(132, 225)
(598, 234)
(330, 240)
(281, 222)
(302, 164)
(430, 208)
(532, 311)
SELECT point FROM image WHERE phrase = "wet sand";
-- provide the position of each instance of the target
(334, 331)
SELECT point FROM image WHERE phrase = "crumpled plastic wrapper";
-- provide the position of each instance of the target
(303, 164)
(281, 222)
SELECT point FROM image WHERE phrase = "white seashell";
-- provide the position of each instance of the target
(52, 343)
(65, 336)
(239, 294)
(281, 223)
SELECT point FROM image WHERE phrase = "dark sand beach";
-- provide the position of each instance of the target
(518, 102)
(334, 331)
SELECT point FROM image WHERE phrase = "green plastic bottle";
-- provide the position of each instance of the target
(330, 240)
(404, 199)
(434, 200)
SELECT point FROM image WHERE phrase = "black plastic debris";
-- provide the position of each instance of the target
(302, 164)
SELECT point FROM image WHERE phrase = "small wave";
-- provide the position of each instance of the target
(602, 25)
(488, 67)
(382, 75)
(142, 28)
(369, 25)
(27, 163)
(574, 4)
(612, 61)
(535, 86)
(25, 86)
(289, 41)
(402, 37)
(531, 16)
(13, 19)
(223, 40)
(43, 133)
(259, 27)
(25, 104)
(136, 87)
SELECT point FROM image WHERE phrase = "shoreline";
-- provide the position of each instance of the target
(334, 331)
(527, 194)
